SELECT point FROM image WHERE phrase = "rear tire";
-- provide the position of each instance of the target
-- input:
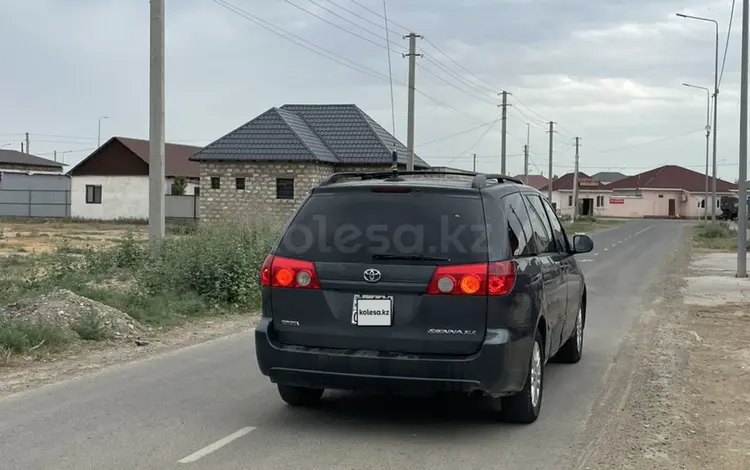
(572, 350)
(525, 406)
(300, 396)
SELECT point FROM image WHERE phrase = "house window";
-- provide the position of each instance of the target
(570, 200)
(197, 191)
(239, 183)
(661, 196)
(284, 188)
(599, 201)
(93, 194)
(215, 182)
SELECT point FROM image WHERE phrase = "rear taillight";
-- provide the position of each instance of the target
(495, 278)
(290, 273)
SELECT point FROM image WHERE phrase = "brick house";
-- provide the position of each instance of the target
(263, 169)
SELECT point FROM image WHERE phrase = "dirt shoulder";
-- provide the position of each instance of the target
(677, 393)
(21, 373)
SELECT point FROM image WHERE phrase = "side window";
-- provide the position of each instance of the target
(519, 226)
(557, 229)
(542, 233)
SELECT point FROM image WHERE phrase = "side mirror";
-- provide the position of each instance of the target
(582, 244)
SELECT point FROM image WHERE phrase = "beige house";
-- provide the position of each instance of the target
(265, 168)
(669, 191)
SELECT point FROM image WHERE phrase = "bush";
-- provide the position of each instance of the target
(19, 336)
(209, 271)
(90, 328)
(718, 230)
(221, 264)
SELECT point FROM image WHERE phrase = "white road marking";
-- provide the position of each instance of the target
(596, 254)
(605, 249)
(216, 445)
(638, 233)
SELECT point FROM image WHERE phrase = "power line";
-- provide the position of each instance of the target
(379, 15)
(440, 139)
(487, 131)
(647, 143)
(328, 54)
(726, 47)
(341, 27)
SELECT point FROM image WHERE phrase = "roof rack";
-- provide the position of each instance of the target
(478, 181)
(481, 179)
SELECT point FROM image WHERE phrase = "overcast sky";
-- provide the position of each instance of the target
(607, 71)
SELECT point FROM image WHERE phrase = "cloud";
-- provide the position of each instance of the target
(609, 72)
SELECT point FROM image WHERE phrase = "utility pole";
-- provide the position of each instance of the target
(742, 193)
(575, 184)
(551, 132)
(412, 55)
(27, 142)
(55, 153)
(156, 127)
(504, 124)
(22, 147)
(475, 163)
(526, 155)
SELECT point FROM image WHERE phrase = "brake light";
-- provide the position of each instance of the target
(289, 273)
(496, 278)
(391, 190)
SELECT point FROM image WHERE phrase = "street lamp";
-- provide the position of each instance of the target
(708, 132)
(716, 105)
(99, 133)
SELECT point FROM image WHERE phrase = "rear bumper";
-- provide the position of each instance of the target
(500, 367)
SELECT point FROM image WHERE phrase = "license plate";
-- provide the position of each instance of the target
(372, 310)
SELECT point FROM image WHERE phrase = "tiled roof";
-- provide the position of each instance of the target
(670, 177)
(535, 181)
(14, 157)
(329, 133)
(565, 183)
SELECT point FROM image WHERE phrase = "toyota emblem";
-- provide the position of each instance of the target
(372, 275)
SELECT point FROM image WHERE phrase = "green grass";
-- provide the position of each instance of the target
(588, 224)
(196, 272)
(718, 237)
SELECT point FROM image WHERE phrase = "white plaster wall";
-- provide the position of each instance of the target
(123, 197)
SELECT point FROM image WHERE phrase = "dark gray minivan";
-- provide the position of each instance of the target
(437, 283)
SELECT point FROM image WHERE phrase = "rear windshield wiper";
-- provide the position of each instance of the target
(409, 258)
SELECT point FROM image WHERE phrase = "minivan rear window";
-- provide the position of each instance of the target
(351, 227)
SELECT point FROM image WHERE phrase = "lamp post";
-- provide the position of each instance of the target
(708, 133)
(99, 132)
(716, 105)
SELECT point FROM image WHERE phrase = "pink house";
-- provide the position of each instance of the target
(669, 191)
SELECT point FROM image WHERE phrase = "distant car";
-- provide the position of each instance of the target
(429, 284)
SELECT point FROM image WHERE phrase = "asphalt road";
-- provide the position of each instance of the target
(208, 407)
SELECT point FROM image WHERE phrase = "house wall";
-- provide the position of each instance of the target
(258, 201)
(123, 197)
(647, 204)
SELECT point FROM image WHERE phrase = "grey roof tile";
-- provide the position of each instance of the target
(332, 133)
(15, 157)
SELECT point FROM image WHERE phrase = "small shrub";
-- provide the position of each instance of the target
(20, 336)
(89, 327)
(718, 230)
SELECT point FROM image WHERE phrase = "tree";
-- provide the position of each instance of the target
(179, 186)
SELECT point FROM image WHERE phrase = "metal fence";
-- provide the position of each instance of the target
(35, 203)
(181, 207)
